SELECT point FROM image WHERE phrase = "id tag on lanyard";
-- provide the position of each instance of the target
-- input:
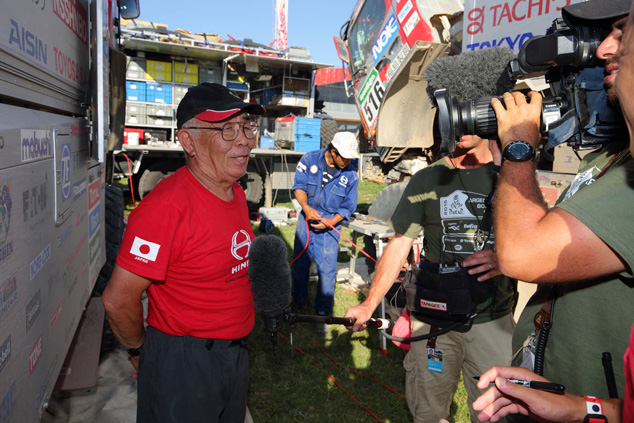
(434, 360)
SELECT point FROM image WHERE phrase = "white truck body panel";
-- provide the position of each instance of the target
(507, 23)
(52, 190)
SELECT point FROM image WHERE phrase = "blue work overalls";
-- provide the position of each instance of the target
(338, 196)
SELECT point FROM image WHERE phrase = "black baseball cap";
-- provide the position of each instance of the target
(595, 12)
(212, 103)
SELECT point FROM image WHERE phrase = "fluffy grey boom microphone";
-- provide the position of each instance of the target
(471, 75)
(269, 274)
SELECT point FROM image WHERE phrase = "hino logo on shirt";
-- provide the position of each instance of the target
(239, 244)
(144, 250)
(433, 305)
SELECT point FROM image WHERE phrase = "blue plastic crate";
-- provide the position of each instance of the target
(267, 142)
(240, 86)
(157, 93)
(307, 143)
(135, 90)
(307, 126)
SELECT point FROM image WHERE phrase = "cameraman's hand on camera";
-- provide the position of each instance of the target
(496, 152)
(485, 262)
(518, 120)
(508, 398)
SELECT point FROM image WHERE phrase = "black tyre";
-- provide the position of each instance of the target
(155, 173)
(327, 130)
(114, 227)
(253, 187)
(382, 208)
(364, 144)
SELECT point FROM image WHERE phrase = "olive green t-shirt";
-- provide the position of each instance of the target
(595, 316)
(448, 204)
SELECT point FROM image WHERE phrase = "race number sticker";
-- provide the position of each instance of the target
(371, 96)
(397, 62)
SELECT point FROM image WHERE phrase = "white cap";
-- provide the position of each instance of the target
(346, 144)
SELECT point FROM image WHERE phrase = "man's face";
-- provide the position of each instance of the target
(340, 161)
(609, 51)
(467, 142)
(624, 80)
(221, 160)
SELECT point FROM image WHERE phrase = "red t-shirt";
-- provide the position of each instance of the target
(628, 369)
(194, 247)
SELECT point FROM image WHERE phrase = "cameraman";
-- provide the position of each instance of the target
(587, 240)
(448, 201)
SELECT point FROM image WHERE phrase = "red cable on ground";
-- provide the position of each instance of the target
(130, 179)
(332, 378)
(358, 372)
(355, 245)
(348, 239)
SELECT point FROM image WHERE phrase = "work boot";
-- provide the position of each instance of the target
(299, 308)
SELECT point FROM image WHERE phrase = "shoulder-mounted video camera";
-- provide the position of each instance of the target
(561, 56)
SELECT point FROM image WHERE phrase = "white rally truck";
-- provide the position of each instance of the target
(60, 221)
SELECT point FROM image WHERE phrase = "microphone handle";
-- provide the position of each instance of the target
(330, 320)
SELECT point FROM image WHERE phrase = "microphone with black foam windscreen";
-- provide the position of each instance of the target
(270, 278)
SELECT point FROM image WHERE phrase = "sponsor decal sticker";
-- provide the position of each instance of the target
(34, 200)
(79, 189)
(35, 354)
(397, 62)
(8, 296)
(8, 403)
(411, 23)
(39, 261)
(433, 305)
(36, 144)
(94, 221)
(386, 36)
(6, 246)
(33, 310)
(402, 14)
(65, 172)
(74, 16)
(28, 43)
(55, 316)
(5, 353)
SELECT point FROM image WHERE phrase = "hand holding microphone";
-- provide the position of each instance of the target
(270, 278)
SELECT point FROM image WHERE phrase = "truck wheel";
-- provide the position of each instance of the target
(155, 173)
(114, 228)
(382, 208)
(253, 187)
(327, 130)
(364, 144)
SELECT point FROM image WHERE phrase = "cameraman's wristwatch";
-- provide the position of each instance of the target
(518, 151)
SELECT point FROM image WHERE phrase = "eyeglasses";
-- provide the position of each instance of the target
(231, 130)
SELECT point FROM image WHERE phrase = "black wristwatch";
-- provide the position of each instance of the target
(135, 352)
(518, 151)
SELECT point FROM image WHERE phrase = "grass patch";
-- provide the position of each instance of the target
(339, 378)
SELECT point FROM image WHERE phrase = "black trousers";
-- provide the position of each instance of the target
(186, 379)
